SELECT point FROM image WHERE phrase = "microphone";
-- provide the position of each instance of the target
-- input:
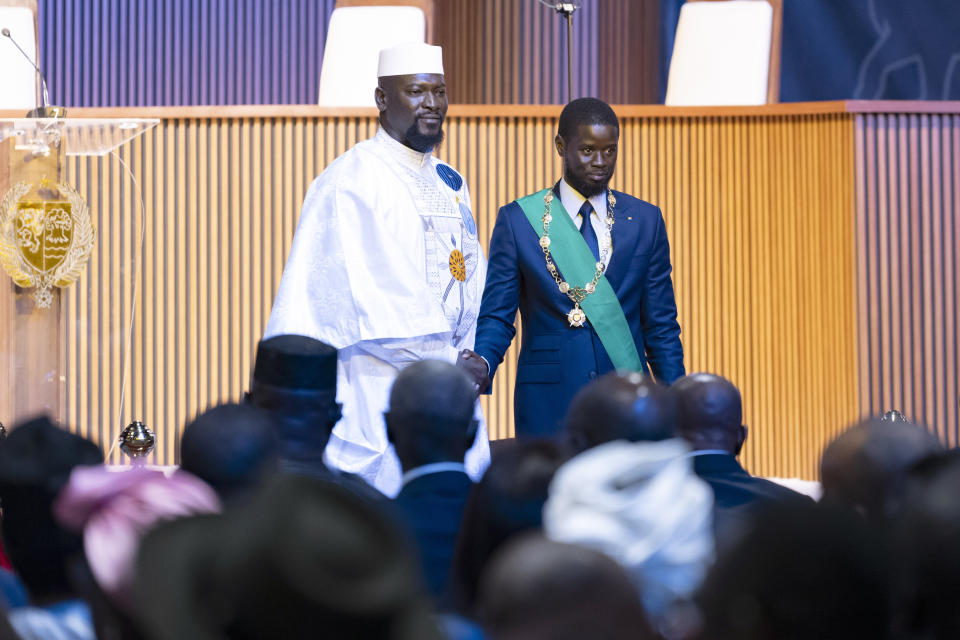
(563, 7)
(566, 8)
(45, 98)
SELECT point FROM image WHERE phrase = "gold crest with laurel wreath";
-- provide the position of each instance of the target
(44, 243)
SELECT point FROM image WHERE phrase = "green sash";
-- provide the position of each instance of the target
(576, 263)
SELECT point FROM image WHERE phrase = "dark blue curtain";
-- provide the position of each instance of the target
(182, 52)
(858, 49)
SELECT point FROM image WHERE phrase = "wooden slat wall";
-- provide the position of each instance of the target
(744, 197)
(908, 239)
(629, 57)
(758, 212)
(514, 51)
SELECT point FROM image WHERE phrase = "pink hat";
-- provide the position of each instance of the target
(114, 510)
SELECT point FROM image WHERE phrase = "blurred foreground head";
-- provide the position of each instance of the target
(230, 447)
(619, 406)
(508, 500)
(537, 589)
(926, 538)
(803, 571)
(35, 462)
(114, 509)
(302, 558)
(865, 467)
(641, 504)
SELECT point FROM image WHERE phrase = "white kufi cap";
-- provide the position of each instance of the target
(409, 59)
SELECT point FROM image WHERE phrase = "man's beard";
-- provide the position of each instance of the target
(587, 190)
(421, 142)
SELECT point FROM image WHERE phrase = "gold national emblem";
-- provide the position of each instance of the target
(457, 266)
(44, 242)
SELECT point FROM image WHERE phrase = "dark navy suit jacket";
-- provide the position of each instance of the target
(556, 360)
(737, 495)
(432, 506)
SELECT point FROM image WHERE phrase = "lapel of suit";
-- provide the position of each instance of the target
(624, 238)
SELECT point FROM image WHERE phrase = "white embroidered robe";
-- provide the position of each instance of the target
(374, 271)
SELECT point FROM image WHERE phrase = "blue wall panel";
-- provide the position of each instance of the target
(857, 49)
(182, 52)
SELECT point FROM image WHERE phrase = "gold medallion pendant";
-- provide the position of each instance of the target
(458, 267)
(576, 317)
(46, 236)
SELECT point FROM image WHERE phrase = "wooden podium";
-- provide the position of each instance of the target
(47, 235)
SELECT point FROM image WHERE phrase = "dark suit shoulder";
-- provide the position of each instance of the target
(633, 202)
(444, 483)
(733, 485)
(512, 210)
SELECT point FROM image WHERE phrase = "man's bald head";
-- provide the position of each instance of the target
(865, 466)
(431, 413)
(709, 412)
(619, 407)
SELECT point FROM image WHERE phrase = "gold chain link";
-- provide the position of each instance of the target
(576, 294)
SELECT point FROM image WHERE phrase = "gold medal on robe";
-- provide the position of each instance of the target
(458, 268)
(576, 317)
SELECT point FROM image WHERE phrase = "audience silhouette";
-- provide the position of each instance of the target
(636, 521)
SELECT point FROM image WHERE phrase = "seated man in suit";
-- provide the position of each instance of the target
(619, 406)
(431, 425)
(709, 417)
(589, 270)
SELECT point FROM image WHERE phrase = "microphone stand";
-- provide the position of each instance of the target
(566, 9)
(45, 110)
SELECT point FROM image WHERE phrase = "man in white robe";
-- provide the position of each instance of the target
(386, 264)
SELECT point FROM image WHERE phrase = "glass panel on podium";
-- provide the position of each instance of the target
(67, 199)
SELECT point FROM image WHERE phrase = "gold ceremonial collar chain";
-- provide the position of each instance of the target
(576, 317)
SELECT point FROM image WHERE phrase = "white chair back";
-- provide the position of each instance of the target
(355, 37)
(721, 53)
(18, 80)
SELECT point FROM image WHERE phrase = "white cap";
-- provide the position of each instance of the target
(409, 59)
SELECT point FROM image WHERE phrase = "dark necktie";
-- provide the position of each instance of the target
(586, 229)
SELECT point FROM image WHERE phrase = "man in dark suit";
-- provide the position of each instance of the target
(709, 417)
(431, 426)
(589, 270)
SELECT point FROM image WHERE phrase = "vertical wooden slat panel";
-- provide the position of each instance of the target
(909, 296)
(514, 51)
